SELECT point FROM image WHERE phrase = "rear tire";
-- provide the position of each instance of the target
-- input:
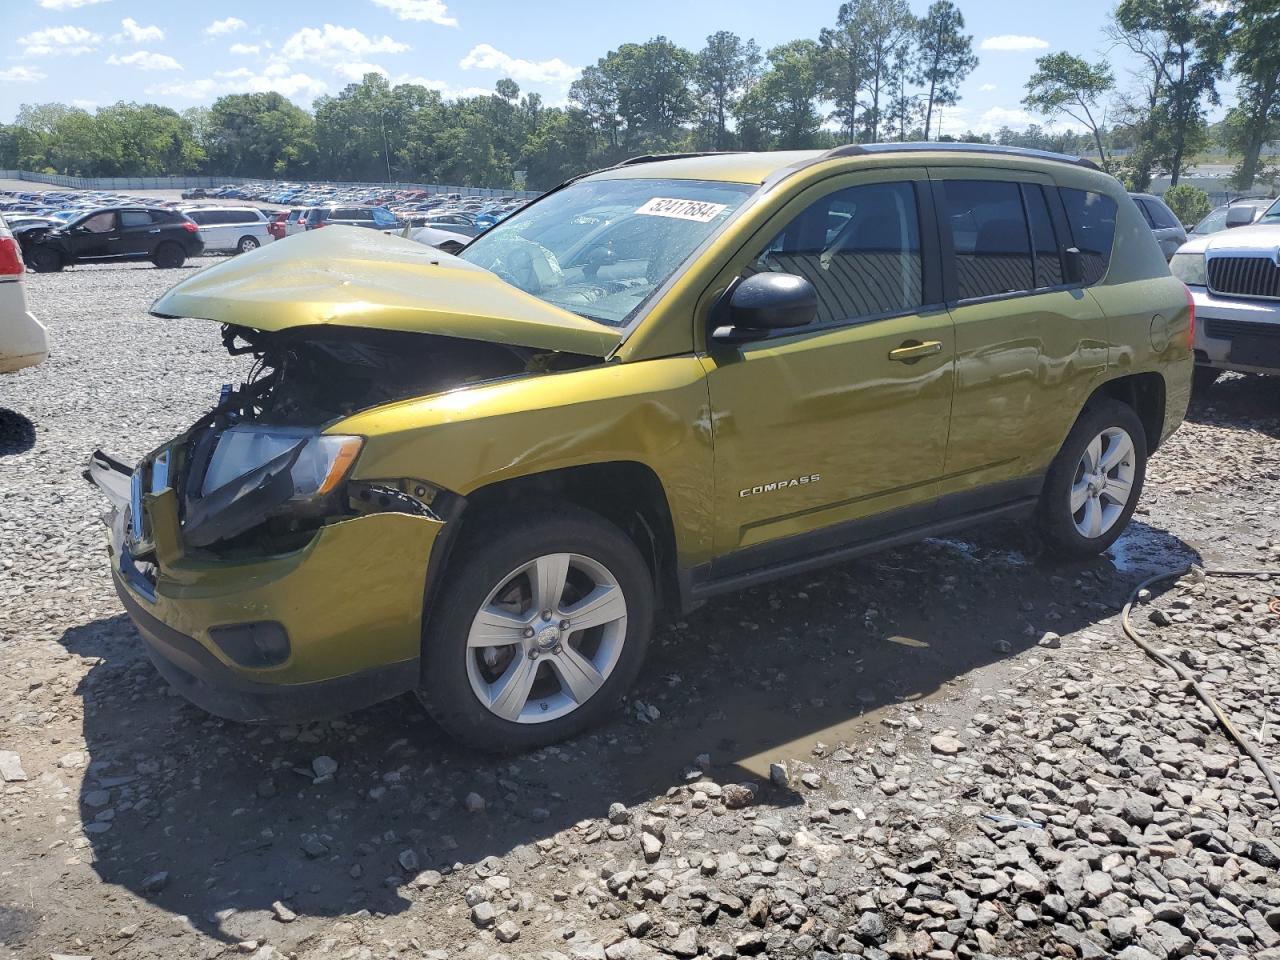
(494, 664)
(46, 260)
(1094, 483)
(169, 256)
(1203, 379)
(246, 244)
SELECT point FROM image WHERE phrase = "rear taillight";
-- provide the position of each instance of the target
(1191, 317)
(190, 227)
(10, 259)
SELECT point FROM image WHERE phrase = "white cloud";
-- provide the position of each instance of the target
(1013, 41)
(63, 41)
(67, 4)
(21, 74)
(486, 57)
(220, 27)
(144, 60)
(330, 44)
(134, 32)
(431, 11)
(442, 87)
(299, 86)
(356, 69)
(986, 88)
(244, 49)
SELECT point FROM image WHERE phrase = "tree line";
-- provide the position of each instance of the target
(879, 72)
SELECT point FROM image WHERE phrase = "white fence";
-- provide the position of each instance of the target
(189, 183)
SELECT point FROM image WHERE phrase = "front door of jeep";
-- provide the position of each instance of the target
(839, 430)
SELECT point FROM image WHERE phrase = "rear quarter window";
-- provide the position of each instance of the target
(1092, 218)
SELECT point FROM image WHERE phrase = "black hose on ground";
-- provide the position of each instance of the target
(1181, 670)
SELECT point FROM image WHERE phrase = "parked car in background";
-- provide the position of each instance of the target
(1169, 232)
(165, 237)
(23, 341)
(440, 239)
(276, 224)
(1234, 277)
(230, 229)
(297, 222)
(199, 193)
(1237, 213)
(453, 222)
(481, 478)
(375, 218)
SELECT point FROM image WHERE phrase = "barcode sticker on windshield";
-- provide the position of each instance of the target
(697, 210)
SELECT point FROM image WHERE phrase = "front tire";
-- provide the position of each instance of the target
(541, 626)
(1094, 483)
(169, 256)
(46, 260)
(246, 244)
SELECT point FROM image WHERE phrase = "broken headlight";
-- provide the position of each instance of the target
(323, 460)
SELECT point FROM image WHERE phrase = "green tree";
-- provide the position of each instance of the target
(842, 65)
(720, 76)
(1182, 44)
(1064, 84)
(596, 93)
(780, 110)
(259, 135)
(944, 57)
(654, 96)
(1189, 204)
(1255, 49)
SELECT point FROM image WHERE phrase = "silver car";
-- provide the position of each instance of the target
(1169, 233)
(1237, 213)
(1234, 279)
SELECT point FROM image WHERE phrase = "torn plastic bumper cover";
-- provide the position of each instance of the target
(315, 631)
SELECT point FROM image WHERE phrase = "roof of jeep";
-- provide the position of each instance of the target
(748, 167)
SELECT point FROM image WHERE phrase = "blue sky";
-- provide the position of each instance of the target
(181, 54)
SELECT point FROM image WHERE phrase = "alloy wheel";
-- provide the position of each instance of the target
(546, 638)
(1103, 482)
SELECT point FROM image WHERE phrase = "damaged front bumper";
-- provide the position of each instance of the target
(317, 631)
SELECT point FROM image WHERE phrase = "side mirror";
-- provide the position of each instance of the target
(1240, 216)
(1073, 265)
(766, 303)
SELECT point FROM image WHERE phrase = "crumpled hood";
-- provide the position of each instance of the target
(351, 277)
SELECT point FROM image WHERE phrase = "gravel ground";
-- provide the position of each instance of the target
(945, 751)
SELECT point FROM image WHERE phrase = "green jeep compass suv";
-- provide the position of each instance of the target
(482, 477)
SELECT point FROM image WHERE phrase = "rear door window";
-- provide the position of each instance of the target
(135, 218)
(989, 236)
(1092, 217)
(1162, 217)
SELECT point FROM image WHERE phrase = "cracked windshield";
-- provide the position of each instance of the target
(600, 248)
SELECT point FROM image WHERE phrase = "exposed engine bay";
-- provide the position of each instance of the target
(257, 474)
(309, 376)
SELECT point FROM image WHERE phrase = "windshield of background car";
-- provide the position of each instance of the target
(599, 248)
(1272, 215)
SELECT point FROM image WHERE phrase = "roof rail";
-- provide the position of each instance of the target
(863, 149)
(655, 157)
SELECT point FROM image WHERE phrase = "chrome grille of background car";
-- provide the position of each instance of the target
(1245, 276)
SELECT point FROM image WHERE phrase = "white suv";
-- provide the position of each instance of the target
(22, 337)
(230, 229)
(1234, 277)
